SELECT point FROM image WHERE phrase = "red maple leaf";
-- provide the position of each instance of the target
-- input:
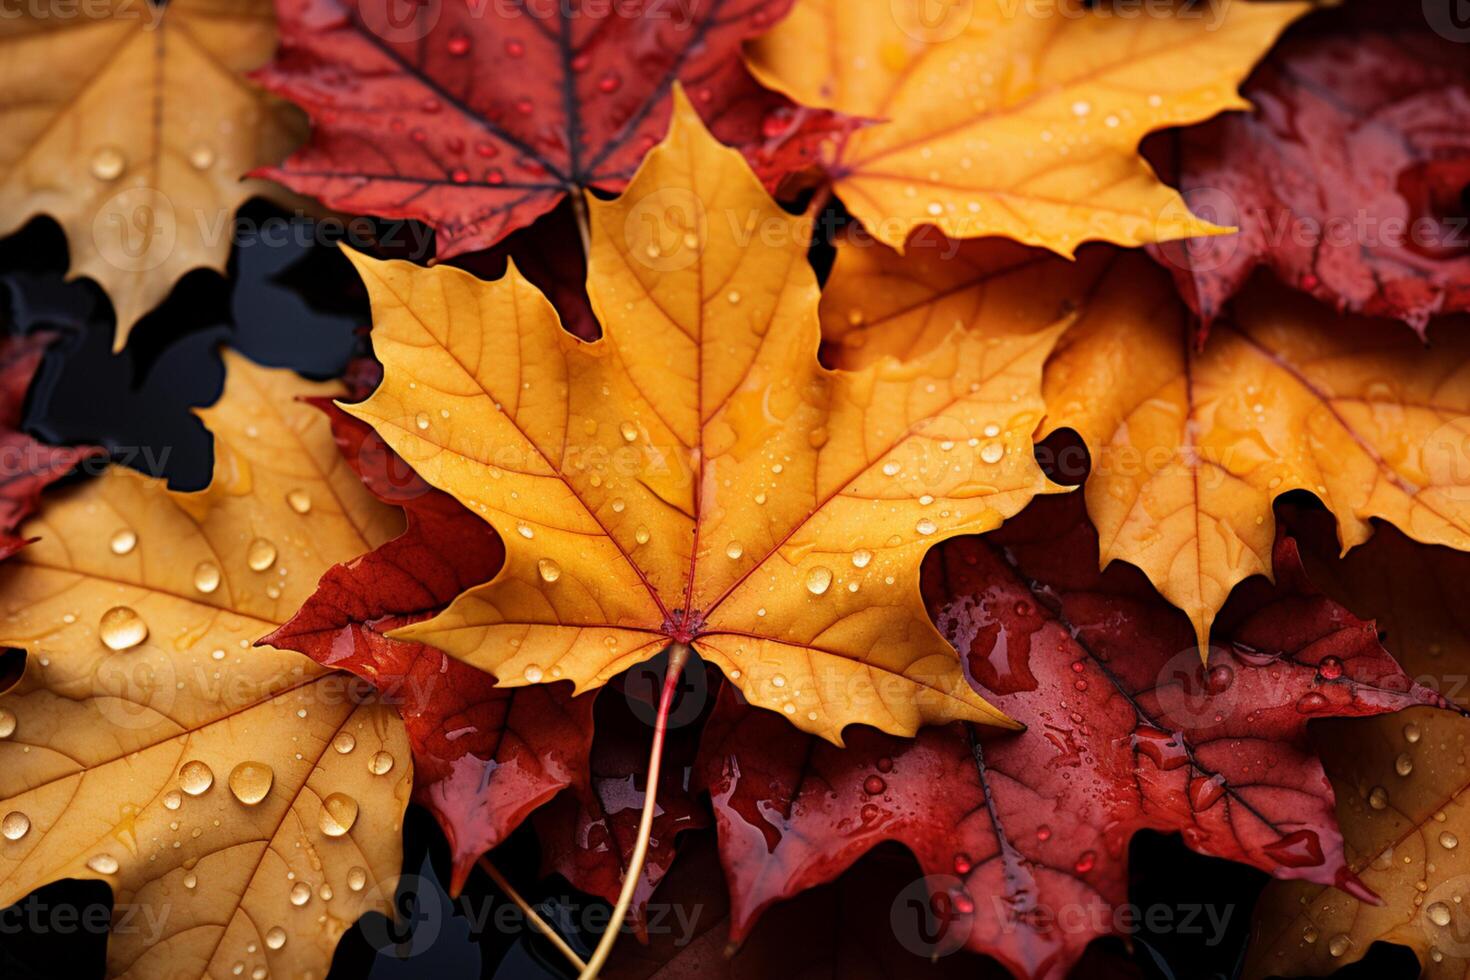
(27, 466)
(1350, 180)
(484, 756)
(1025, 837)
(478, 117)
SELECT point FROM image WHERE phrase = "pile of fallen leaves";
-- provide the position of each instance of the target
(989, 428)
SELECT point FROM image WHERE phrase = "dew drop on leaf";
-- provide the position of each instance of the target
(251, 782)
(819, 580)
(123, 541)
(195, 777)
(103, 864)
(206, 577)
(260, 555)
(380, 764)
(121, 628)
(338, 814)
(15, 825)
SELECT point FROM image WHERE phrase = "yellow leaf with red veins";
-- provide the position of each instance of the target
(1012, 118)
(1190, 448)
(132, 125)
(696, 475)
(244, 805)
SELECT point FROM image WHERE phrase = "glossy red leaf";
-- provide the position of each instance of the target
(588, 833)
(477, 118)
(484, 756)
(27, 466)
(1349, 181)
(1025, 837)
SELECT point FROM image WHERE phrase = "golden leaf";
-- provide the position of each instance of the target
(696, 475)
(1014, 119)
(1401, 780)
(1401, 784)
(149, 747)
(131, 124)
(1190, 448)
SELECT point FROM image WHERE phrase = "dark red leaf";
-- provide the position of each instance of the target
(477, 118)
(549, 254)
(484, 756)
(1026, 836)
(26, 466)
(588, 833)
(1351, 180)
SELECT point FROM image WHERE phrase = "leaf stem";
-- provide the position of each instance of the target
(678, 657)
(538, 923)
(579, 207)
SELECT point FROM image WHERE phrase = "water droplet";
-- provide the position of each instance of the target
(861, 557)
(629, 431)
(1309, 934)
(874, 785)
(123, 541)
(1411, 733)
(779, 680)
(7, 723)
(251, 782)
(1081, 108)
(733, 296)
(991, 452)
(1378, 798)
(1086, 862)
(261, 555)
(380, 764)
(338, 814)
(300, 893)
(122, 629)
(925, 527)
(1330, 668)
(641, 535)
(421, 420)
(963, 863)
(195, 778)
(173, 799)
(299, 500)
(1439, 913)
(108, 163)
(1338, 944)
(891, 468)
(276, 938)
(1404, 764)
(357, 879)
(191, 881)
(103, 864)
(458, 45)
(525, 530)
(733, 550)
(1448, 841)
(819, 580)
(206, 577)
(344, 743)
(548, 568)
(15, 825)
(201, 157)
(609, 83)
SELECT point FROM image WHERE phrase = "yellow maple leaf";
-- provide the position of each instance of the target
(1403, 803)
(1190, 448)
(696, 476)
(1019, 119)
(242, 804)
(131, 124)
